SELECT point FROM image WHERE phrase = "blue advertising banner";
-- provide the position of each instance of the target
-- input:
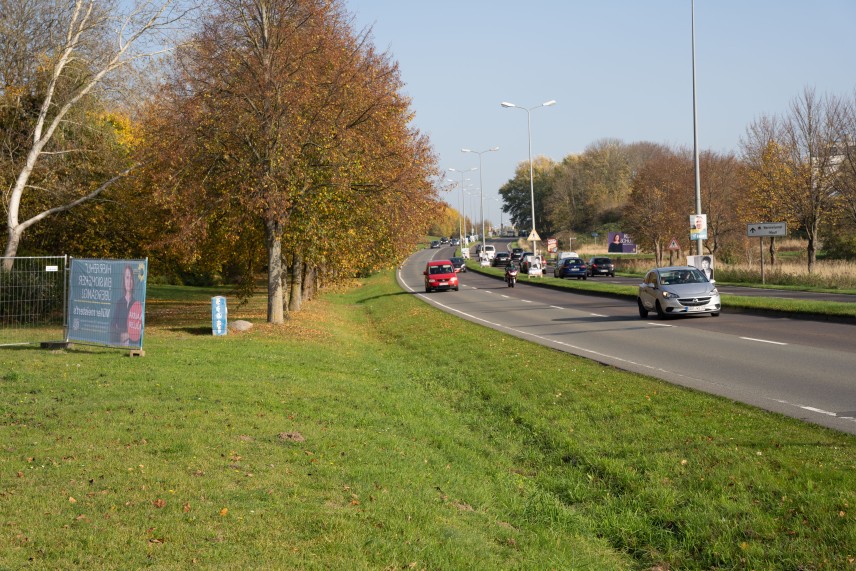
(107, 302)
(219, 313)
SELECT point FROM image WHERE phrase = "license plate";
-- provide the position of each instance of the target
(444, 283)
(696, 308)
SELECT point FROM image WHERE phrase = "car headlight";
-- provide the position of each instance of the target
(714, 291)
(669, 295)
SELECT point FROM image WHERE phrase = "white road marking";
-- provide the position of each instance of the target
(763, 341)
(815, 409)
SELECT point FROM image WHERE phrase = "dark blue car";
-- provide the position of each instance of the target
(571, 268)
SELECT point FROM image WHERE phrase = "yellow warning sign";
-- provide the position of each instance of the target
(533, 237)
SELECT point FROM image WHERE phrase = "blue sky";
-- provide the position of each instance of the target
(617, 69)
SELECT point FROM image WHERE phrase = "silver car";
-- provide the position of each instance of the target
(677, 290)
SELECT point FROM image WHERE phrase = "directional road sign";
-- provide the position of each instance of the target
(767, 229)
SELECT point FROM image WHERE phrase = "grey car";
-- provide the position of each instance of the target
(677, 290)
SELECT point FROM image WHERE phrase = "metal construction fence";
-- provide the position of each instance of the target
(32, 299)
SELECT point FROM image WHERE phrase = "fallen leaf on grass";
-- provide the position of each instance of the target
(185, 508)
(224, 511)
(71, 500)
(159, 503)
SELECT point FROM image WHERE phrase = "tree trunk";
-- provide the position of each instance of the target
(11, 248)
(812, 251)
(273, 239)
(296, 297)
(310, 285)
(772, 251)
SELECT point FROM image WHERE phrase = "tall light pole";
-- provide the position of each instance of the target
(481, 186)
(699, 241)
(463, 217)
(531, 179)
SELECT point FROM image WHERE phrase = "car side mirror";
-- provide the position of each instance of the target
(424, 273)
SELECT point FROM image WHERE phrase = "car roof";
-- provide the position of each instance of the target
(673, 268)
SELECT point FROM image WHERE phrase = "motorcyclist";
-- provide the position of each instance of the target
(510, 271)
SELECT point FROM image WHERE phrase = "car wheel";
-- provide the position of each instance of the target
(660, 313)
(643, 313)
(457, 288)
(585, 278)
(427, 290)
(715, 314)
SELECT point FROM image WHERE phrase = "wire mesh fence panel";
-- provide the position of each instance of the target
(32, 299)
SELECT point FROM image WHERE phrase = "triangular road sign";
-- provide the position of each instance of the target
(673, 245)
(533, 237)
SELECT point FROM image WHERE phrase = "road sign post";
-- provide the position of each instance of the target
(761, 229)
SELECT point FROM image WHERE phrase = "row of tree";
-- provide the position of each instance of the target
(798, 168)
(276, 137)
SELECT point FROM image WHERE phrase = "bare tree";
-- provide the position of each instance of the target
(55, 56)
(846, 154)
(810, 134)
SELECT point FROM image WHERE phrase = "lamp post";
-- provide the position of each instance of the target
(463, 217)
(531, 179)
(481, 186)
(699, 241)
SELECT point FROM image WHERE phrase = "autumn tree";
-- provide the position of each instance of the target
(60, 147)
(720, 185)
(282, 124)
(767, 178)
(658, 204)
(806, 143)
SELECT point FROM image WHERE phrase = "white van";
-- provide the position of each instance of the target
(490, 251)
(563, 255)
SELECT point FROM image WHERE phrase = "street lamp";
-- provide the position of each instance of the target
(531, 180)
(699, 241)
(481, 186)
(463, 217)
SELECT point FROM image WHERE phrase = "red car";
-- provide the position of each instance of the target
(440, 274)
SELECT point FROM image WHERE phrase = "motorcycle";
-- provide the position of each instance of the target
(510, 276)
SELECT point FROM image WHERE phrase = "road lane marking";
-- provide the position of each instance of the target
(815, 409)
(764, 341)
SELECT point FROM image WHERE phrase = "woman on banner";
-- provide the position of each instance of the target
(121, 309)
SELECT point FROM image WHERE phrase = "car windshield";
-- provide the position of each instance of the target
(687, 276)
(457, 260)
(444, 269)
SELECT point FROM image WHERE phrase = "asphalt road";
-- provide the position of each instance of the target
(801, 368)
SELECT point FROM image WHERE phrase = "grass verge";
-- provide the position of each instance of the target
(369, 433)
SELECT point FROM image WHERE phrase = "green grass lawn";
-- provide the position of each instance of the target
(374, 432)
